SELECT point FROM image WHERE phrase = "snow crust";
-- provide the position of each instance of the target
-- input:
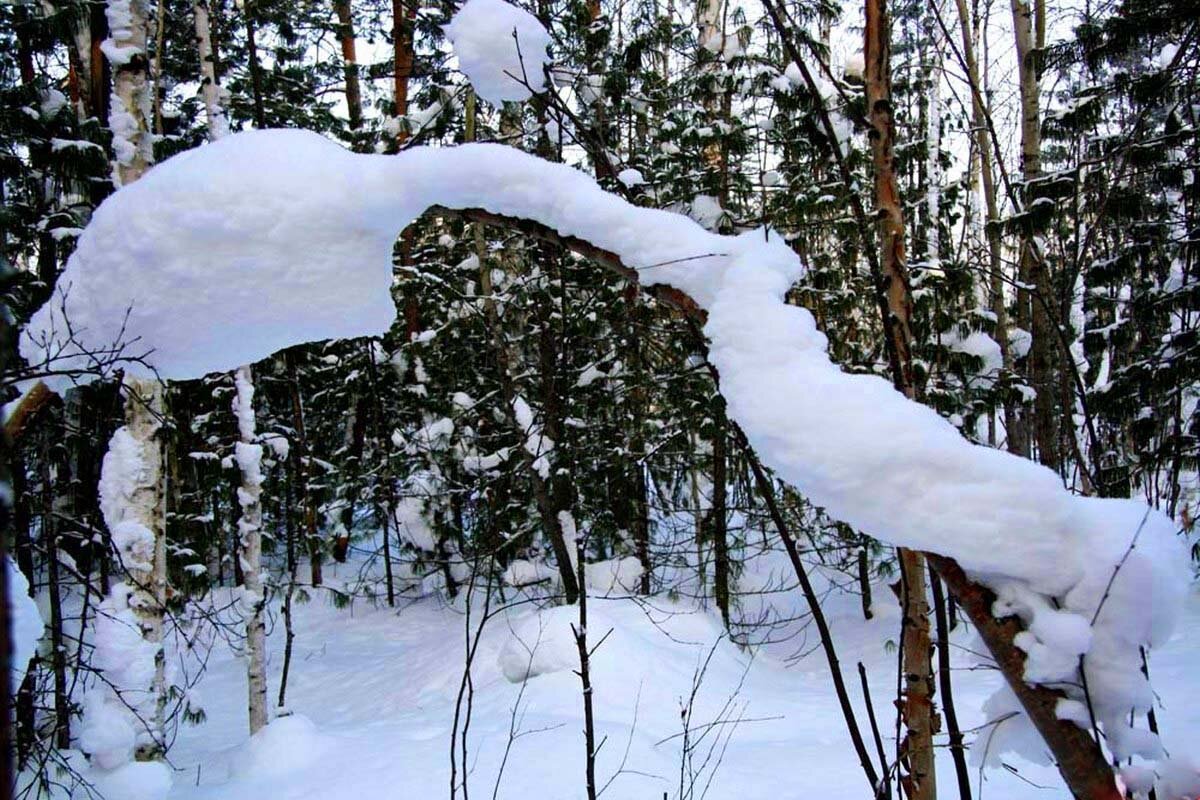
(266, 239)
(501, 48)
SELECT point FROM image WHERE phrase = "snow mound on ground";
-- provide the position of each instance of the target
(541, 644)
(287, 745)
(614, 576)
(383, 684)
(136, 780)
(500, 48)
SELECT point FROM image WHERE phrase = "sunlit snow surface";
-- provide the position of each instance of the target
(230, 252)
(373, 691)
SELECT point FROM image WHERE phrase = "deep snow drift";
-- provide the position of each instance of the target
(373, 694)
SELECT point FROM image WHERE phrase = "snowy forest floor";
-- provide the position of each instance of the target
(372, 696)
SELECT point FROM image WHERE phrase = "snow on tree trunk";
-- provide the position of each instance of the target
(123, 714)
(247, 450)
(248, 453)
(129, 112)
(123, 717)
(210, 89)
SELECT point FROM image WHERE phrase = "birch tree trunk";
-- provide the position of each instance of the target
(247, 450)
(210, 88)
(129, 108)
(137, 520)
(146, 572)
(933, 148)
(249, 459)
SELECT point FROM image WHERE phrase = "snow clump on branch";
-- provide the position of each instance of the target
(501, 48)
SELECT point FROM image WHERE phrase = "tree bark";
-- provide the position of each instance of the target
(256, 89)
(1035, 292)
(918, 708)
(404, 15)
(249, 459)
(717, 526)
(302, 472)
(129, 115)
(1016, 439)
(1080, 760)
(210, 87)
(145, 410)
(58, 663)
(349, 62)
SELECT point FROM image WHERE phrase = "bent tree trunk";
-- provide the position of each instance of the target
(1081, 762)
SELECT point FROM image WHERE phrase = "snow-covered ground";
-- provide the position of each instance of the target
(373, 693)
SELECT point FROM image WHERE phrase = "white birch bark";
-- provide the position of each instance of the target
(129, 109)
(132, 483)
(210, 89)
(249, 459)
(248, 451)
(128, 640)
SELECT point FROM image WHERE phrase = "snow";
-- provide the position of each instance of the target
(137, 780)
(119, 475)
(614, 576)
(979, 345)
(25, 623)
(523, 572)
(121, 29)
(501, 48)
(538, 446)
(237, 222)
(630, 177)
(855, 66)
(110, 728)
(122, 473)
(243, 408)
(197, 247)
(412, 524)
(281, 749)
(541, 644)
(478, 463)
(373, 691)
(707, 211)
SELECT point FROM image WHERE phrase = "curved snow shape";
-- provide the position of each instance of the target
(263, 240)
